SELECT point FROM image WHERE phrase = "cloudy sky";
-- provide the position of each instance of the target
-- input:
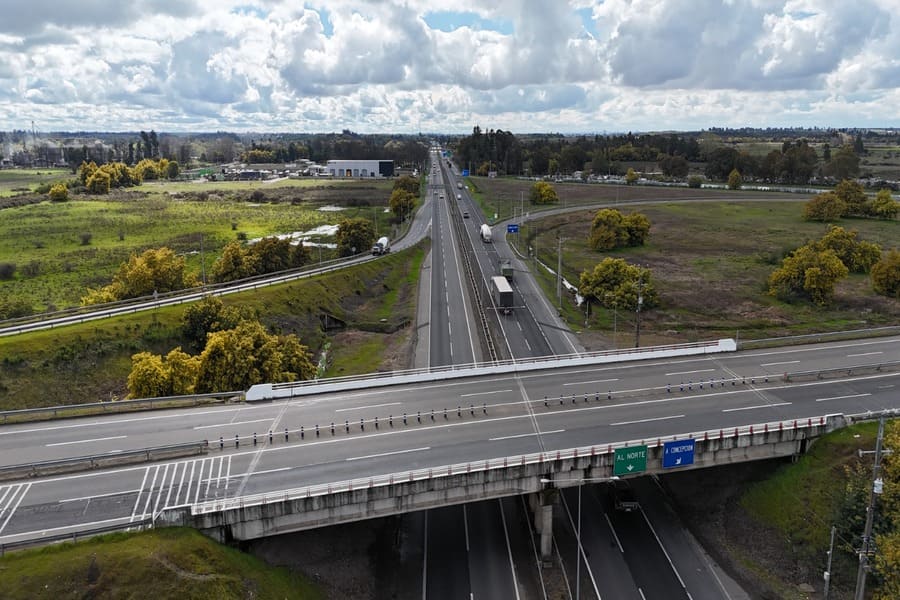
(419, 65)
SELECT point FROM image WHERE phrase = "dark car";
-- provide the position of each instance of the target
(623, 497)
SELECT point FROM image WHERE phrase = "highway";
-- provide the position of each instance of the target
(507, 417)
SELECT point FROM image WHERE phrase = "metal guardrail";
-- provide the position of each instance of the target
(812, 338)
(886, 367)
(389, 479)
(95, 461)
(116, 406)
(74, 536)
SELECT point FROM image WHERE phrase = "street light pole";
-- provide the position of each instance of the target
(867, 547)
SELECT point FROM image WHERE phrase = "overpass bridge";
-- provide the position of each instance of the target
(538, 475)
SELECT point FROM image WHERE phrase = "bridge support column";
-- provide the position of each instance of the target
(541, 505)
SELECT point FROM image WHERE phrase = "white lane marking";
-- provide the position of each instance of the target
(162, 486)
(388, 453)
(512, 565)
(150, 492)
(114, 437)
(228, 474)
(187, 493)
(689, 372)
(199, 480)
(137, 501)
(230, 424)
(521, 435)
(724, 410)
(5, 493)
(23, 487)
(121, 493)
(239, 475)
(219, 473)
(594, 381)
(842, 397)
(425, 558)
(663, 548)
(171, 484)
(646, 420)
(369, 406)
(209, 475)
(484, 393)
(613, 531)
(181, 481)
(864, 354)
(784, 362)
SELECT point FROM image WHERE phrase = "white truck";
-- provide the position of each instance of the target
(503, 294)
(485, 233)
(381, 247)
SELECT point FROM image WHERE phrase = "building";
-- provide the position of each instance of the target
(360, 168)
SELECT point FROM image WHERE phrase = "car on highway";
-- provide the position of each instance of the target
(465, 214)
(623, 498)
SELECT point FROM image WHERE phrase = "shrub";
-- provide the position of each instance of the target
(7, 270)
(824, 207)
(59, 193)
(86, 238)
(695, 181)
(32, 269)
(734, 180)
(886, 275)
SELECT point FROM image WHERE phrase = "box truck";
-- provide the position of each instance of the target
(503, 294)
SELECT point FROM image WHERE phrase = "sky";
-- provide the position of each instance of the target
(408, 66)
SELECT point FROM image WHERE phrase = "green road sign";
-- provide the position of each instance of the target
(632, 459)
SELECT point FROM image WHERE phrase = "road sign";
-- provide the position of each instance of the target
(465, 172)
(630, 460)
(512, 228)
(678, 453)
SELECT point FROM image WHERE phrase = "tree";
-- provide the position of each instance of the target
(148, 378)
(857, 255)
(631, 176)
(402, 203)
(209, 315)
(59, 193)
(720, 162)
(843, 165)
(542, 192)
(235, 263)
(637, 228)
(607, 230)
(272, 254)
(886, 276)
(734, 180)
(615, 283)
(808, 273)
(98, 182)
(238, 358)
(825, 207)
(407, 184)
(884, 206)
(172, 170)
(155, 270)
(673, 166)
(854, 196)
(354, 236)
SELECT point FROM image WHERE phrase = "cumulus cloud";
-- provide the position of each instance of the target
(413, 65)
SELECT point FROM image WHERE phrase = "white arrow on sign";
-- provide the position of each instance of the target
(678, 461)
(630, 467)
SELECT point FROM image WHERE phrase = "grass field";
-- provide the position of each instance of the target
(54, 265)
(159, 564)
(710, 253)
(18, 181)
(90, 362)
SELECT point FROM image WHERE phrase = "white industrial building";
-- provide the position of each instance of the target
(360, 168)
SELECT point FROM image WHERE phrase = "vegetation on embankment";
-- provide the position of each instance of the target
(164, 563)
(90, 362)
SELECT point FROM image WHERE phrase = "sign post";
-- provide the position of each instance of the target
(630, 460)
(678, 453)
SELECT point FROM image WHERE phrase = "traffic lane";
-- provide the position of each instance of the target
(817, 356)
(601, 549)
(694, 568)
(525, 553)
(31, 442)
(446, 554)
(439, 319)
(460, 336)
(490, 561)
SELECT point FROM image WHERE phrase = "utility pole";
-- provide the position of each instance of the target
(640, 303)
(867, 548)
(559, 271)
(828, 568)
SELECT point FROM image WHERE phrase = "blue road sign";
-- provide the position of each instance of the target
(512, 228)
(678, 453)
(465, 172)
